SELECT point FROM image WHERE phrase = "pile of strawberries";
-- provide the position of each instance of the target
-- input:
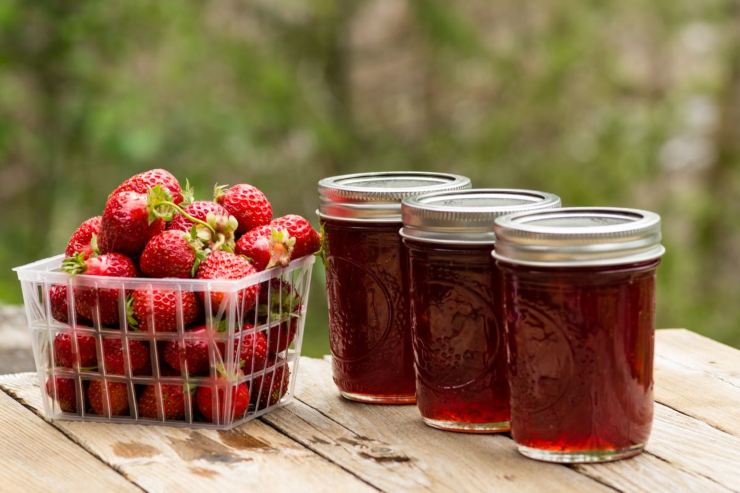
(151, 227)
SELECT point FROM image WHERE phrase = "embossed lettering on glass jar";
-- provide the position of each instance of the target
(366, 280)
(456, 306)
(579, 294)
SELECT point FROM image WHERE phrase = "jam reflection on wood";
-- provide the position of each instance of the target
(458, 336)
(581, 356)
(368, 310)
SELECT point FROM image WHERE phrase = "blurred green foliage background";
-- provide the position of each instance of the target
(628, 103)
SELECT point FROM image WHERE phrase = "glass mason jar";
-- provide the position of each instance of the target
(579, 294)
(456, 305)
(366, 280)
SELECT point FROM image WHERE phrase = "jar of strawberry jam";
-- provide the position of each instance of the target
(579, 294)
(456, 305)
(366, 280)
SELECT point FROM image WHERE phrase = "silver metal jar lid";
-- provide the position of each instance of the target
(467, 216)
(376, 197)
(578, 236)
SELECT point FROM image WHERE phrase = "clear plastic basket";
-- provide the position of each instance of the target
(231, 335)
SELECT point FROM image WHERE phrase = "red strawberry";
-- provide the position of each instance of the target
(215, 231)
(282, 335)
(58, 302)
(199, 210)
(117, 396)
(253, 350)
(157, 310)
(114, 357)
(285, 306)
(65, 354)
(206, 400)
(142, 182)
(246, 203)
(194, 351)
(265, 246)
(64, 391)
(99, 304)
(173, 402)
(307, 239)
(126, 225)
(273, 386)
(81, 240)
(225, 265)
(170, 254)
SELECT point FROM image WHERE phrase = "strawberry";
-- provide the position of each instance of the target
(246, 203)
(64, 392)
(265, 246)
(199, 210)
(307, 239)
(285, 306)
(114, 357)
(58, 302)
(156, 310)
(282, 335)
(128, 223)
(215, 230)
(253, 350)
(83, 240)
(206, 400)
(173, 402)
(171, 254)
(142, 182)
(194, 351)
(225, 265)
(273, 386)
(117, 396)
(99, 304)
(65, 354)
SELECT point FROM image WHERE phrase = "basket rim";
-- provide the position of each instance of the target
(46, 270)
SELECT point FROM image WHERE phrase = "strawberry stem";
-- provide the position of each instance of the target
(161, 206)
(75, 264)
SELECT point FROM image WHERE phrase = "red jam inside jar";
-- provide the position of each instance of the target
(457, 306)
(366, 281)
(579, 295)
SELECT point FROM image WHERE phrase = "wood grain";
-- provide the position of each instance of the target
(389, 446)
(324, 443)
(688, 378)
(37, 457)
(254, 457)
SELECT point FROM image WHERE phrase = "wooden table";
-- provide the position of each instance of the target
(321, 442)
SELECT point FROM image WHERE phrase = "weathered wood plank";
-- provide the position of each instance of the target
(697, 351)
(647, 473)
(390, 447)
(695, 446)
(688, 381)
(37, 457)
(254, 457)
(683, 454)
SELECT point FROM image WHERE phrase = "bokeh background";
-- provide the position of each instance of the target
(630, 103)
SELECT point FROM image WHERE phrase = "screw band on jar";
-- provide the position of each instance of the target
(579, 236)
(376, 197)
(467, 216)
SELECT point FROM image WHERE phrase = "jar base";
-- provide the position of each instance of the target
(379, 399)
(582, 457)
(456, 426)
